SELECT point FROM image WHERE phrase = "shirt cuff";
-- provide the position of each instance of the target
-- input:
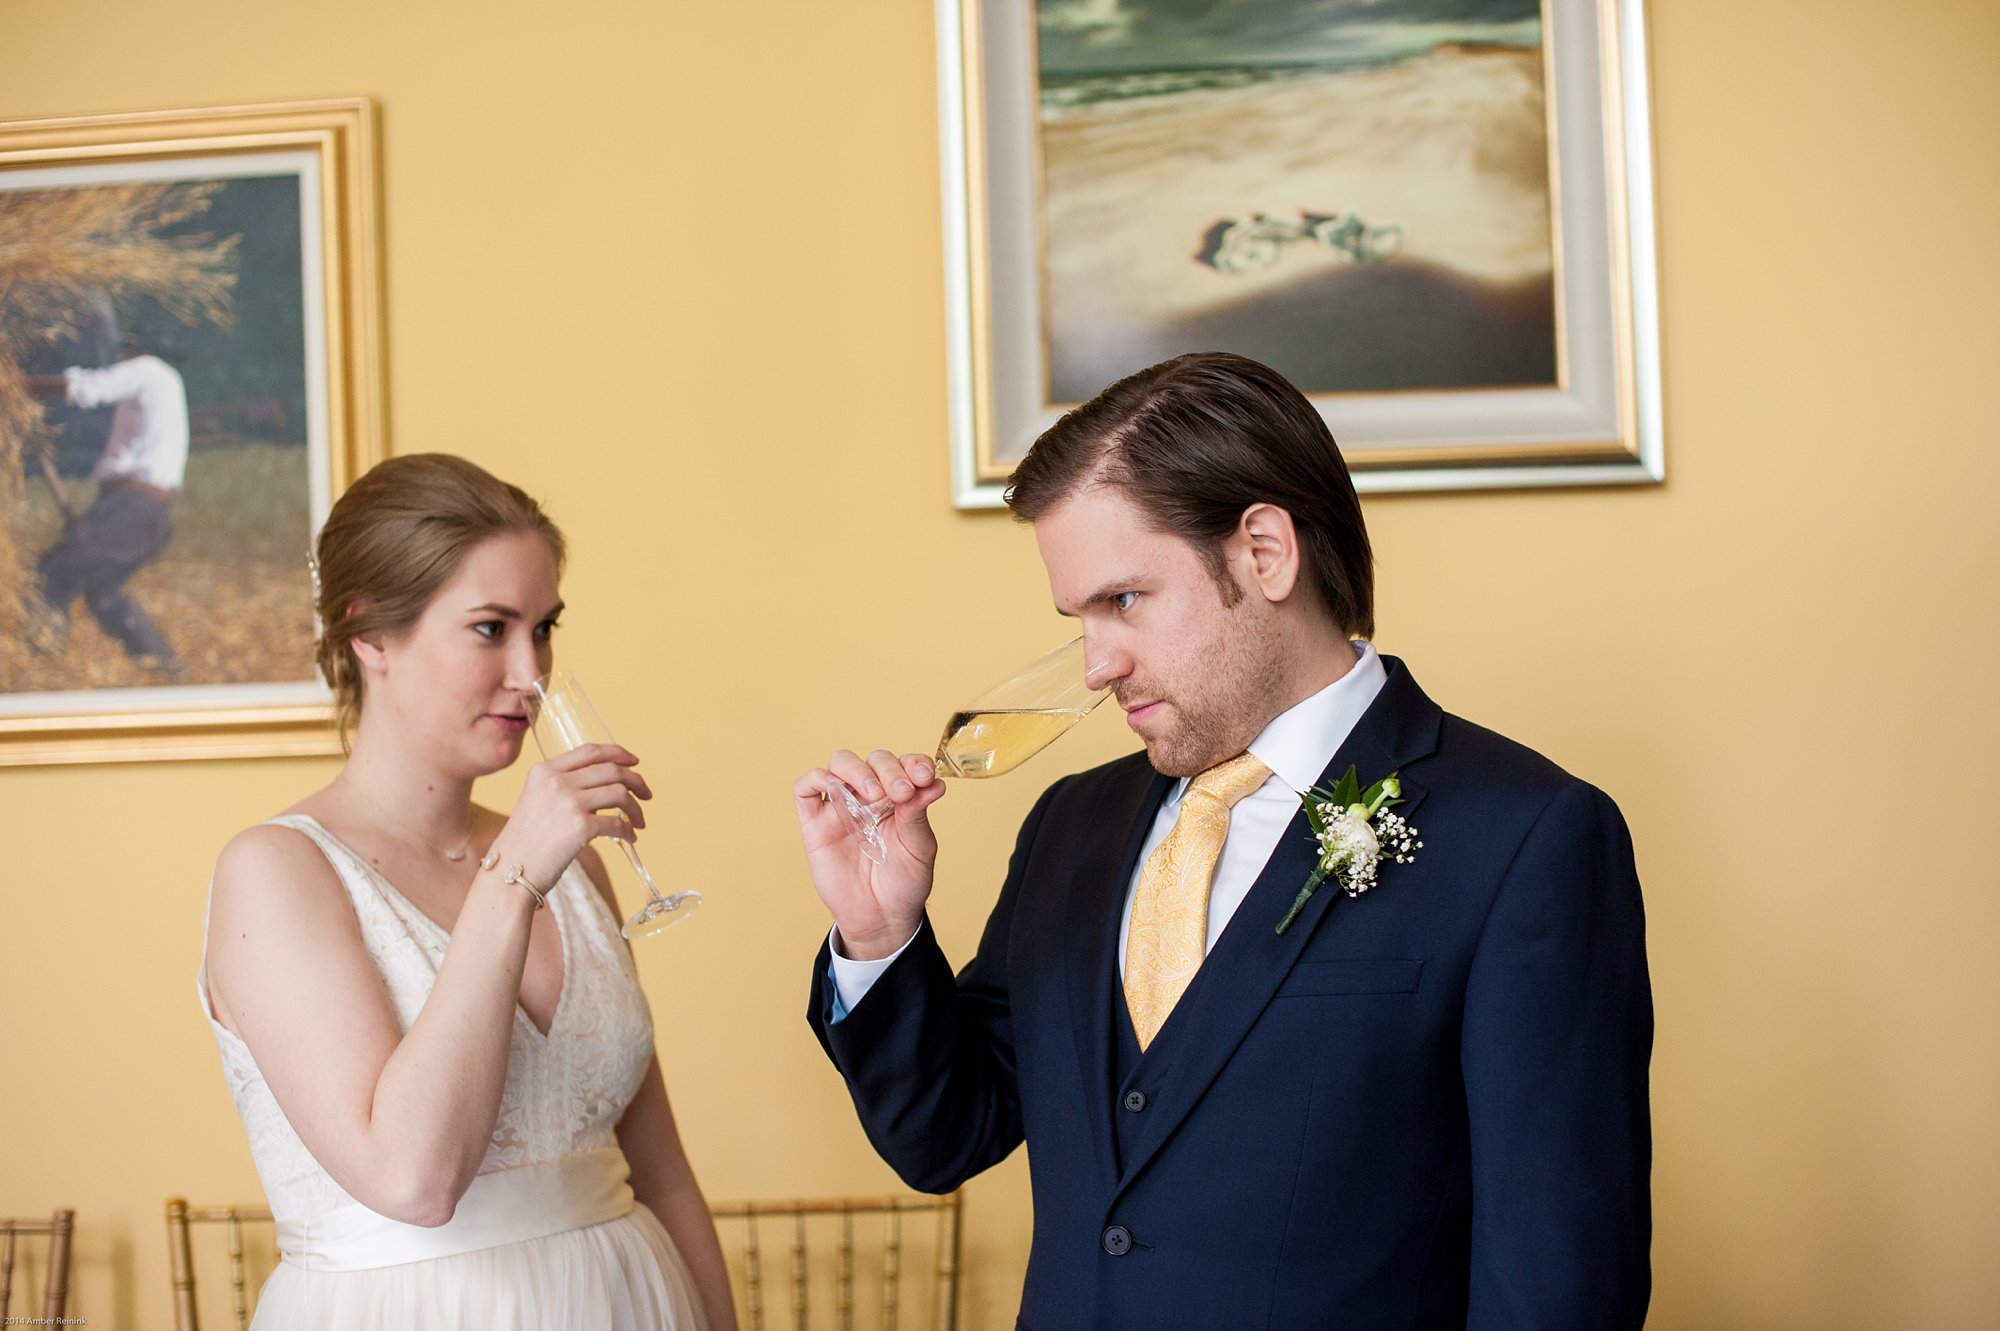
(853, 979)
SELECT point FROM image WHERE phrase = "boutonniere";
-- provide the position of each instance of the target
(1355, 832)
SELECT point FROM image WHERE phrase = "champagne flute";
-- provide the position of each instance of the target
(992, 734)
(565, 720)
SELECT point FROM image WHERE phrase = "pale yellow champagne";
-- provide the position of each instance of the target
(992, 742)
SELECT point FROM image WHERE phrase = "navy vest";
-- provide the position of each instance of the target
(1142, 1079)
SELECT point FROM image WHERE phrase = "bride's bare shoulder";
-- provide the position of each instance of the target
(271, 856)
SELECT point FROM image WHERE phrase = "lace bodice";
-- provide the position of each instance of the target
(565, 1091)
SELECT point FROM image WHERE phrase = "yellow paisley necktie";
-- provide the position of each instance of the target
(1169, 933)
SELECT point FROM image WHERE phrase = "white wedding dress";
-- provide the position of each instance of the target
(548, 1235)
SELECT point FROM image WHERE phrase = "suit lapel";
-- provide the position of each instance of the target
(1251, 959)
(1095, 898)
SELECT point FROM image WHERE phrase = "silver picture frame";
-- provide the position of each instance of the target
(1598, 423)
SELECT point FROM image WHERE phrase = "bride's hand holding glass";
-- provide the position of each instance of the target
(568, 801)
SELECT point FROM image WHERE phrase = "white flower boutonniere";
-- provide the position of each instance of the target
(1355, 832)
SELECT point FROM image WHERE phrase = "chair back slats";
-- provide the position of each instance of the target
(845, 1299)
(948, 1240)
(798, 1273)
(238, 1281)
(892, 1268)
(6, 1272)
(180, 1258)
(752, 1264)
(180, 1262)
(852, 1260)
(55, 1285)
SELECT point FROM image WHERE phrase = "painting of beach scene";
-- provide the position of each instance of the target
(1355, 192)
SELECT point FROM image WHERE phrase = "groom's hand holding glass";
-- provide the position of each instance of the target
(876, 907)
(865, 821)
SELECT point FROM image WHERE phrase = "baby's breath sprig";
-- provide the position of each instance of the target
(1356, 833)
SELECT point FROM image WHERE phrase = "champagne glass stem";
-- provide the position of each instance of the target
(639, 867)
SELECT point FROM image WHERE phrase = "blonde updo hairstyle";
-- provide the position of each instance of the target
(392, 540)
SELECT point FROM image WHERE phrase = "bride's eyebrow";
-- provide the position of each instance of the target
(499, 611)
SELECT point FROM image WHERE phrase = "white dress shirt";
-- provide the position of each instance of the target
(1296, 746)
(149, 430)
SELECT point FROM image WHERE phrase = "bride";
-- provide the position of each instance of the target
(430, 1024)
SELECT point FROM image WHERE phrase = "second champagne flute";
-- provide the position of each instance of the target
(993, 734)
(565, 720)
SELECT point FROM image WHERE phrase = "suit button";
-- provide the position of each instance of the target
(1118, 1240)
(1135, 1100)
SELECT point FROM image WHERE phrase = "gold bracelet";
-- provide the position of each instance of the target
(514, 874)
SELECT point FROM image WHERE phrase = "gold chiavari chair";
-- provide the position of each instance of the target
(180, 1257)
(55, 1288)
(850, 1252)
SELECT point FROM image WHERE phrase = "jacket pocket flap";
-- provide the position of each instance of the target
(1370, 975)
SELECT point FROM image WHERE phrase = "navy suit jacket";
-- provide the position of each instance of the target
(1420, 1108)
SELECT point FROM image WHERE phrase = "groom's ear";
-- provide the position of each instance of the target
(1264, 551)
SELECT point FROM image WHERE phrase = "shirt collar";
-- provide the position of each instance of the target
(1299, 741)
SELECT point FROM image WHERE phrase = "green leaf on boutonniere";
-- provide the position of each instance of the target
(1347, 790)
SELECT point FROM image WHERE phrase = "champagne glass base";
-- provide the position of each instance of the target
(658, 914)
(865, 819)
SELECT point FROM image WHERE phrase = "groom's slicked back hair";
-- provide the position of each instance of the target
(1193, 442)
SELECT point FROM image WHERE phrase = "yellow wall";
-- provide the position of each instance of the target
(676, 266)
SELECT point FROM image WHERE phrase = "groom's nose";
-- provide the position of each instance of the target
(1104, 664)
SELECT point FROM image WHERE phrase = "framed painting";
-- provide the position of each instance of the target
(1434, 217)
(189, 373)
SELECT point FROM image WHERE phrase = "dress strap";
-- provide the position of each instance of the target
(375, 899)
(329, 845)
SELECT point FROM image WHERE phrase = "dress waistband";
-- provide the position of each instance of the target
(506, 1206)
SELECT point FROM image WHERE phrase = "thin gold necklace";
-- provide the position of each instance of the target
(455, 856)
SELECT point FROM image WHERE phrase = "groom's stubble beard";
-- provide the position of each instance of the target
(1220, 694)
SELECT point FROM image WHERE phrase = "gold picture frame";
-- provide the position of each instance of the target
(1084, 197)
(269, 214)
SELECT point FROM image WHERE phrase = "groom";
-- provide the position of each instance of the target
(1422, 1106)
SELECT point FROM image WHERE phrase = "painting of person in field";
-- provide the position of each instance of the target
(154, 472)
(1354, 192)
